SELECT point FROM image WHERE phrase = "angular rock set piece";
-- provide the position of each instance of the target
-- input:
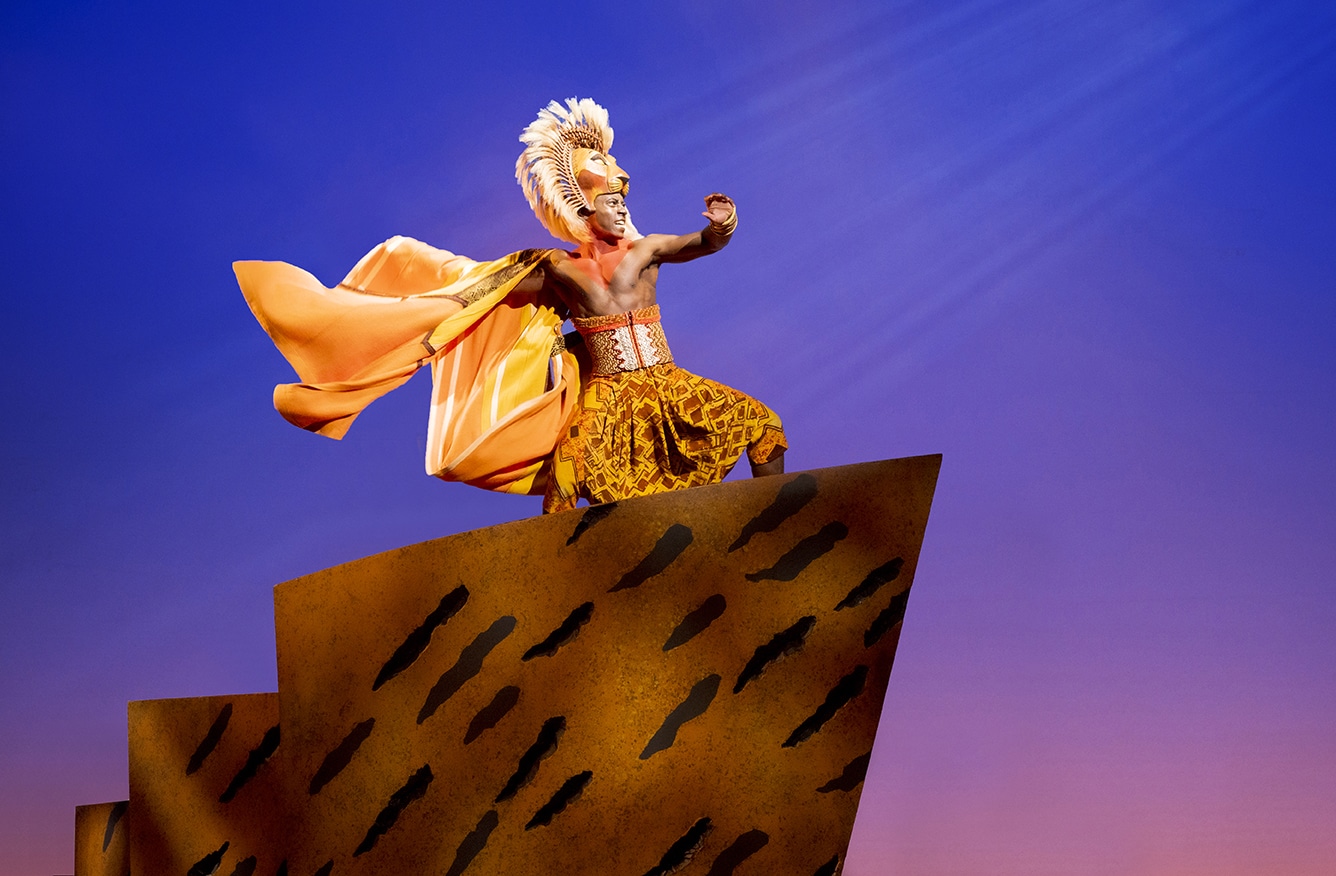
(685, 683)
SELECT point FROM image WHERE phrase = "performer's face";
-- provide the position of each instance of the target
(610, 216)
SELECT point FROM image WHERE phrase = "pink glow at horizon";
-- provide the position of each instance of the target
(1083, 250)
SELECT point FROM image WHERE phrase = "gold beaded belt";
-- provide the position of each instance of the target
(625, 341)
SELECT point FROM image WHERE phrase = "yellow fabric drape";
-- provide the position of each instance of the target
(501, 393)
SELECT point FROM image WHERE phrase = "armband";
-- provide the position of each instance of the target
(726, 227)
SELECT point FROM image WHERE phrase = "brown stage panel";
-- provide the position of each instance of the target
(691, 680)
(101, 844)
(204, 787)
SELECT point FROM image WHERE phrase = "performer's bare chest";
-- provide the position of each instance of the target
(612, 282)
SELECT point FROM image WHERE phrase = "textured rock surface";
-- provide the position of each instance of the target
(638, 624)
(101, 839)
(204, 789)
(685, 683)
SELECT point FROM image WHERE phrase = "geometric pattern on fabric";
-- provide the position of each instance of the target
(657, 429)
(625, 341)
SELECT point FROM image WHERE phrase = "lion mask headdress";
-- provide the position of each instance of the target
(566, 164)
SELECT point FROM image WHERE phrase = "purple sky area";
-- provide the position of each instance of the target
(1084, 249)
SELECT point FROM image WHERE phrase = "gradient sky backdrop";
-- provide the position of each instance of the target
(1084, 249)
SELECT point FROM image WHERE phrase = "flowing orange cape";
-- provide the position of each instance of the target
(503, 387)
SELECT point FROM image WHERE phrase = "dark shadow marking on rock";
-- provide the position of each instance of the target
(256, 759)
(883, 574)
(473, 843)
(245, 867)
(340, 757)
(413, 789)
(562, 634)
(282, 868)
(789, 501)
(692, 707)
(742, 848)
(803, 554)
(829, 868)
(782, 644)
(417, 641)
(854, 773)
(326, 868)
(680, 853)
(889, 617)
(668, 548)
(114, 818)
(594, 515)
(528, 766)
(209, 864)
(210, 740)
(840, 695)
(566, 794)
(466, 667)
(492, 713)
(696, 622)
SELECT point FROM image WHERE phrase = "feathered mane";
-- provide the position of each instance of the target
(545, 171)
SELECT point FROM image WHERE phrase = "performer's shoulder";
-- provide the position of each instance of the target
(654, 242)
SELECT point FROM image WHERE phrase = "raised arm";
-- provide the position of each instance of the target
(723, 216)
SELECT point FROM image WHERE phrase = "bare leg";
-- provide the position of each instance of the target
(774, 466)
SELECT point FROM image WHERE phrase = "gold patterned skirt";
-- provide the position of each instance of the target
(646, 426)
